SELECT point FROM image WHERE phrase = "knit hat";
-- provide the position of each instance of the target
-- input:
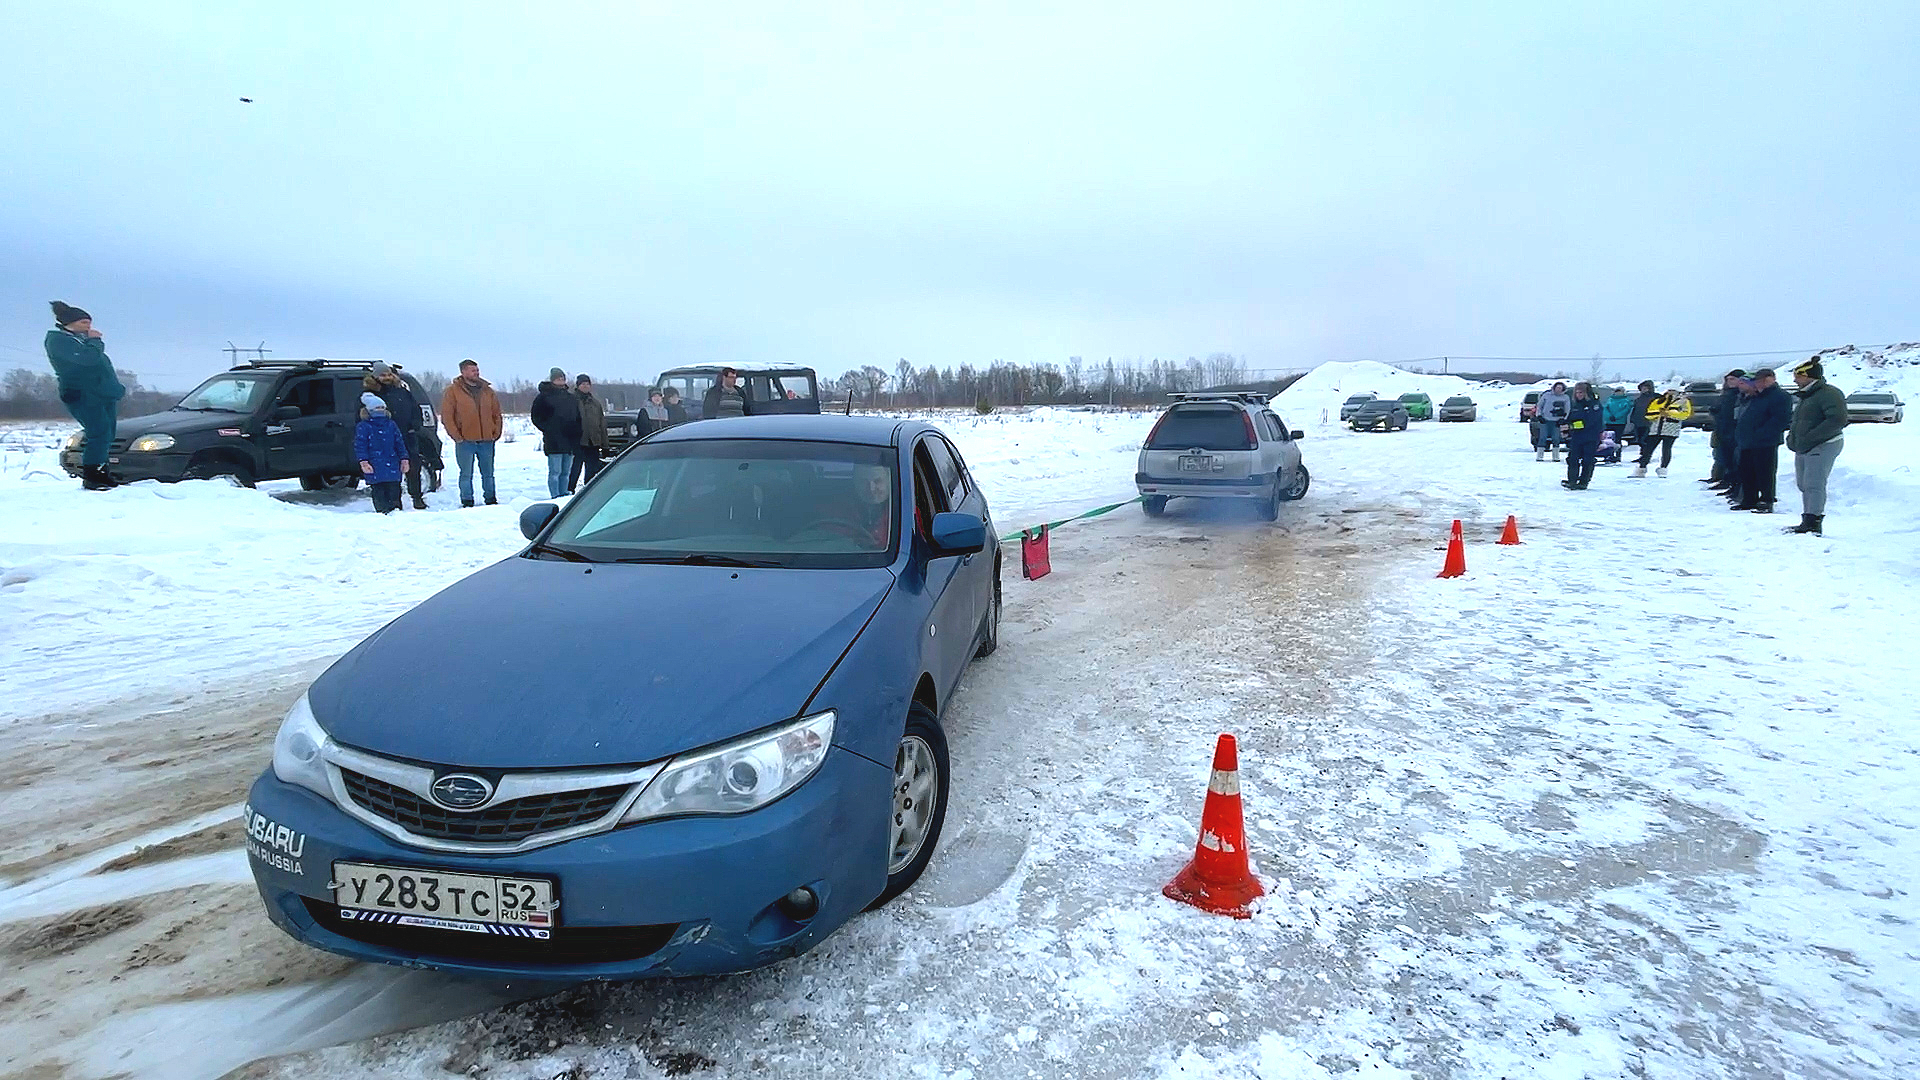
(556, 373)
(65, 314)
(582, 378)
(382, 368)
(1811, 369)
(373, 403)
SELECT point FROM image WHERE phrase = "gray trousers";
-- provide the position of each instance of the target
(1810, 472)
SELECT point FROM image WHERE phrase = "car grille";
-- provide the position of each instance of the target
(507, 823)
(568, 945)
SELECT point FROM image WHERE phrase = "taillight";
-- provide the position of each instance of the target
(1252, 439)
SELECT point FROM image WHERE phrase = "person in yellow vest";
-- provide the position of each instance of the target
(1666, 415)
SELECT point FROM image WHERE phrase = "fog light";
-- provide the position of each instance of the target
(800, 905)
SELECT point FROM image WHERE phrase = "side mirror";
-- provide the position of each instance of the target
(534, 518)
(958, 534)
(1297, 434)
(287, 412)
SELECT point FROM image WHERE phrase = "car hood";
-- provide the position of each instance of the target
(180, 421)
(536, 664)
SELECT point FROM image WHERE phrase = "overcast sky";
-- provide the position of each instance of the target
(620, 188)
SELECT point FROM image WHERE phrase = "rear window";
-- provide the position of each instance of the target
(1533, 397)
(1459, 401)
(1359, 399)
(1872, 399)
(1209, 428)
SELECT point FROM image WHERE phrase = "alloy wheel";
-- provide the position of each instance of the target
(916, 786)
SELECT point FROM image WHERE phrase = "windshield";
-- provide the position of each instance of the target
(1532, 398)
(228, 393)
(733, 501)
(1873, 399)
(1204, 427)
(1359, 399)
(1413, 397)
(1459, 401)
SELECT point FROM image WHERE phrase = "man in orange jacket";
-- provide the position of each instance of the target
(470, 411)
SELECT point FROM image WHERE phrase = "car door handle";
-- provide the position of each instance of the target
(333, 423)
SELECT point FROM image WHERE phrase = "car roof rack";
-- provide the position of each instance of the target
(314, 364)
(1255, 397)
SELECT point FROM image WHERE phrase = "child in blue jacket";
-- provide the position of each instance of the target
(382, 453)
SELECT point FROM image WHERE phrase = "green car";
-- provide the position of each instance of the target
(1419, 406)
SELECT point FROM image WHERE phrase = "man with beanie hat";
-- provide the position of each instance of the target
(89, 388)
(382, 453)
(1819, 422)
(556, 413)
(404, 409)
(589, 456)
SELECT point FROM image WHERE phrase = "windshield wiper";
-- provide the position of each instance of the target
(559, 553)
(697, 559)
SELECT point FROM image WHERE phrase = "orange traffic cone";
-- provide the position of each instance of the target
(1456, 564)
(1218, 879)
(1510, 534)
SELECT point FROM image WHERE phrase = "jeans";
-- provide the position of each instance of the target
(1810, 472)
(558, 465)
(466, 453)
(1759, 475)
(1664, 442)
(98, 419)
(1726, 459)
(587, 464)
(1549, 435)
(1581, 456)
(386, 495)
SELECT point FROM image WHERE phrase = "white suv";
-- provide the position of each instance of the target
(1221, 446)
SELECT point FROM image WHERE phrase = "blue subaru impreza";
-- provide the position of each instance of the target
(692, 728)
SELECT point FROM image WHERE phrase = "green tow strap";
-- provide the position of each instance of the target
(1052, 525)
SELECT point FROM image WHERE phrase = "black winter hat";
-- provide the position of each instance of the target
(65, 314)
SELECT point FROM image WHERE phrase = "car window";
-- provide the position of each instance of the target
(785, 502)
(952, 479)
(313, 397)
(793, 387)
(1208, 427)
(1459, 401)
(228, 393)
(928, 497)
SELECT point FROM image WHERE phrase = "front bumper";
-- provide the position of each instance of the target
(126, 467)
(1238, 487)
(683, 896)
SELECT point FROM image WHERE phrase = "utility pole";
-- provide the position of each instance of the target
(233, 351)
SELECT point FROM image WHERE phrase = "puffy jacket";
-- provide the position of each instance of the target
(1553, 407)
(1767, 418)
(1618, 409)
(83, 369)
(593, 421)
(556, 412)
(1668, 414)
(1820, 417)
(378, 442)
(1584, 422)
(471, 417)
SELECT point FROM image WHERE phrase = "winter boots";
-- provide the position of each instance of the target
(1539, 454)
(1661, 471)
(1639, 471)
(1809, 523)
(1556, 453)
(95, 478)
(419, 503)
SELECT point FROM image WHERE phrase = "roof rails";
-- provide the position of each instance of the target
(314, 364)
(1256, 397)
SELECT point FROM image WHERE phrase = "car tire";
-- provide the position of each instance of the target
(324, 482)
(1270, 506)
(1299, 489)
(237, 472)
(922, 752)
(1154, 505)
(990, 627)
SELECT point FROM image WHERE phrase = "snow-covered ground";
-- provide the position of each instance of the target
(1637, 798)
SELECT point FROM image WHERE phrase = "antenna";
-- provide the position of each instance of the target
(233, 351)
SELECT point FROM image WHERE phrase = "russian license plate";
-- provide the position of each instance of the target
(1196, 462)
(474, 903)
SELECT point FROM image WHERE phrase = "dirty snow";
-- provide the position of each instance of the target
(1634, 799)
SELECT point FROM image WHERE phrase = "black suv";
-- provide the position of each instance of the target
(771, 391)
(263, 420)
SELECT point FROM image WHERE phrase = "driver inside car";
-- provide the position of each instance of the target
(874, 485)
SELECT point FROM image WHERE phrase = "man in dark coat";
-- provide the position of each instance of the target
(1819, 422)
(404, 408)
(1641, 403)
(89, 388)
(1585, 420)
(590, 456)
(1726, 457)
(1758, 432)
(556, 412)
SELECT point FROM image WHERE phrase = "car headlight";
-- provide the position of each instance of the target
(739, 776)
(74, 440)
(297, 757)
(147, 444)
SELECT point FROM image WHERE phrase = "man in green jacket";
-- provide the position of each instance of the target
(88, 388)
(1819, 421)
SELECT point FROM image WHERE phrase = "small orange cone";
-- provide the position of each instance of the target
(1510, 534)
(1218, 879)
(1456, 564)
